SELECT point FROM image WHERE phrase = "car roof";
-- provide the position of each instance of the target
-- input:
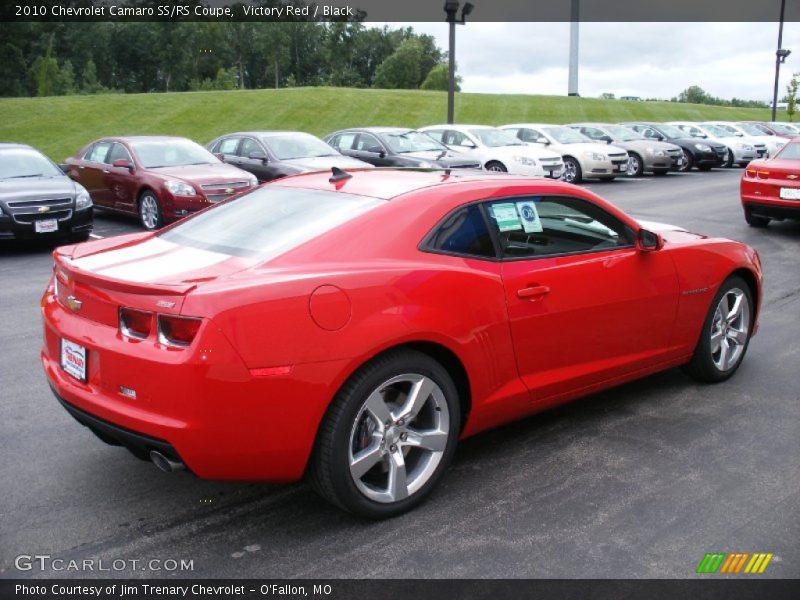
(141, 138)
(270, 133)
(17, 145)
(390, 183)
(532, 125)
(460, 126)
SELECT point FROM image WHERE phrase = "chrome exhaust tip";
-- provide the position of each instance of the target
(164, 463)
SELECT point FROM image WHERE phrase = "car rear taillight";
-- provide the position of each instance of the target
(177, 331)
(135, 323)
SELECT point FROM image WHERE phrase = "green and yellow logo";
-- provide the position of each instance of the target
(735, 563)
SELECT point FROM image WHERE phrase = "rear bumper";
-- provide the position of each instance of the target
(773, 210)
(762, 198)
(200, 405)
(80, 222)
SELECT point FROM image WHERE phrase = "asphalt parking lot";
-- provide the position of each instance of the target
(639, 481)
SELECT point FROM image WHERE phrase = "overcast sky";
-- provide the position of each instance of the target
(651, 60)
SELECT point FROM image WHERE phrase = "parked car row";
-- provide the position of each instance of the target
(161, 179)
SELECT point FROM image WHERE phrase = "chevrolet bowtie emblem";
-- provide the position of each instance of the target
(229, 191)
(44, 209)
(792, 176)
(74, 304)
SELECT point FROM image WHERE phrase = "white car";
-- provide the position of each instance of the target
(583, 158)
(497, 150)
(773, 142)
(741, 150)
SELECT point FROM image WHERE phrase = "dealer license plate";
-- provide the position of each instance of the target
(790, 193)
(45, 226)
(73, 359)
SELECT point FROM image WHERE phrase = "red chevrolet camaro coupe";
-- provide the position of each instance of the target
(770, 189)
(351, 328)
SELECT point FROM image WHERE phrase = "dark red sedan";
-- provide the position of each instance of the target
(352, 328)
(158, 178)
(770, 189)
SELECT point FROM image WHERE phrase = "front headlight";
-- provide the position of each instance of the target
(594, 156)
(703, 147)
(253, 181)
(654, 152)
(524, 160)
(83, 200)
(180, 188)
(745, 147)
(780, 144)
(424, 164)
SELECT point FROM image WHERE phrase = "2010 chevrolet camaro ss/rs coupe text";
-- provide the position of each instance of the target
(351, 328)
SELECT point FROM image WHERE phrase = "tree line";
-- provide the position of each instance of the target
(51, 58)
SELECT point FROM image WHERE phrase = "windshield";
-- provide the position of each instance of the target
(411, 141)
(171, 153)
(623, 134)
(494, 138)
(565, 135)
(784, 129)
(750, 129)
(297, 145)
(672, 132)
(269, 221)
(25, 162)
(716, 131)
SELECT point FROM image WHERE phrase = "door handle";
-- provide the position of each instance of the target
(533, 292)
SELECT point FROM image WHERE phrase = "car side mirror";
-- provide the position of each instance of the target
(660, 137)
(258, 156)
(606, 139)
(377, 150)
(122, 163)
(543, 140)
(220, 156)
(64, 167)
(738, 134)
(648, 241)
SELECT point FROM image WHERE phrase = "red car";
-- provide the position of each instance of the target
(770, 189)
(159, 178)
(352, 328)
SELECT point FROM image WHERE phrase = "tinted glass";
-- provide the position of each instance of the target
(534, 226)
(750, 129)
(287, 147)
(344, 141)
(623, 134)
(463, 232)
(671, 132)
(171, 153)
(269, 221)
(227, 146)
(368, 143)
(24, 162)
(118, 151)
(248, 146)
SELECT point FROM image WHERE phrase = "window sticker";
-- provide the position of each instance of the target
(530, 217)
(506, 217)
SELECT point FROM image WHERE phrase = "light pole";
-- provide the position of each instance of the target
(451, 8)
(780, 57)
(574, 33)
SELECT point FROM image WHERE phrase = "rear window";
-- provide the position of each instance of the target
(789, 152)
(269, 221)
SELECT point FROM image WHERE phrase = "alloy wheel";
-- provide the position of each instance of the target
(149, 211)
(398, 438)
(730, 329)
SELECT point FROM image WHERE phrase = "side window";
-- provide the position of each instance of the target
(592, 133)
(529, 135)
(463, 232)
(368, 143)
(343, 141)
(227, 146)
(119, 151)
(534, 226)
(98, 152)
(456, 138)
(248, 146)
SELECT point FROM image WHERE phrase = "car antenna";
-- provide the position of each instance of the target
(338, 175)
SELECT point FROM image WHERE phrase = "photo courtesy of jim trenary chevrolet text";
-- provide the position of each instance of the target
(383, 299)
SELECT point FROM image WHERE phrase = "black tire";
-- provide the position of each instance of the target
(572, 170)
(149, 209)
(688, 161)
(703, 366)
(729, 161)
(754, 220)
(704, 168)
(635, 165)
(660, 172)
(496, 166)
(79, 238)
(329, 470)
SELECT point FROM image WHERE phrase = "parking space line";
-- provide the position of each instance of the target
(95, 236)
